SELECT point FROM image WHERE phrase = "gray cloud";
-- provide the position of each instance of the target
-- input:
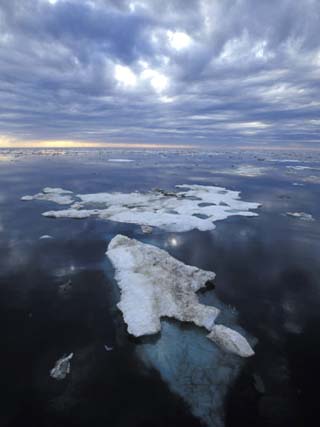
(189, 71)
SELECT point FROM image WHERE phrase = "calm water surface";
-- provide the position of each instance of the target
(267, 268)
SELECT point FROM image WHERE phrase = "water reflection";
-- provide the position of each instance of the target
(267, 272)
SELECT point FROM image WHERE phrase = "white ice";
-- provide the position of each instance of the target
(153, 285)
(301, 215)
(56, 195)
(194, 207)
(61, 368)
(301, 168)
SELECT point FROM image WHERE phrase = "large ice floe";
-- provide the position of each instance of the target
(155, 288)
(194, 207)
(159, 293)
(154, 285)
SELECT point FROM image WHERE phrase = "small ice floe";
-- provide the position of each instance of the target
(284, 160)
(301, 215)
(56, 190)
(298, 184)
(146, 229)
(120, 160)
(61, 368)
(302, 168)
(193, 207)
(56, 195)
(107, 348)
(65, 289)
(153, 285)
(231, 341)
(71, 213)
(45, 237)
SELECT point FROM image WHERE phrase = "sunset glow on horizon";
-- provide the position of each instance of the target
(6, 142)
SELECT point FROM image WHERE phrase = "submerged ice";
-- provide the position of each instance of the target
(193, 207)
(198, 371)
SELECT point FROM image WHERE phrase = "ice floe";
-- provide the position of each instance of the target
(194, 207)
(230, 340)
(301, 215)
(71, 213)
(153, 285)
(146, 229)
(61, 368)
(284, 160)
(56, 195)
(302, 168)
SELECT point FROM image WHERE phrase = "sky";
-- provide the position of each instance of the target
(178, 72)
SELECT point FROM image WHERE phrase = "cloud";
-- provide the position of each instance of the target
(181, 71)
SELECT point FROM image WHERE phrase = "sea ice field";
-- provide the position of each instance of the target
(159, 288)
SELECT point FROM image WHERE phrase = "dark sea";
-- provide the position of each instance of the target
(267, 271)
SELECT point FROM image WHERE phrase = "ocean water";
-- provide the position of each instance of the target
(268, 284)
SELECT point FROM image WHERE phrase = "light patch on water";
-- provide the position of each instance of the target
(245, 170)
(312, 179)
(120, 160)
(5, 158)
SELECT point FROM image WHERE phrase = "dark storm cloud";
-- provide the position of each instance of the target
(188, 71)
